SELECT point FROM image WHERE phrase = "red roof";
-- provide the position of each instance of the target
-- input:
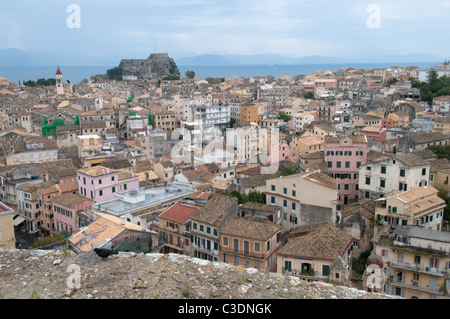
(58, 72)
(179, 213)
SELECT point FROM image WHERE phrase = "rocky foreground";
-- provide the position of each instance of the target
(26, 274)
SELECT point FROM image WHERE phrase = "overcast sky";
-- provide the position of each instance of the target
(114, 29)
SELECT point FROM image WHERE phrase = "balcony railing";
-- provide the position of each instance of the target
(418, 268)
(297, 272)
(206, 250)
(414, 286)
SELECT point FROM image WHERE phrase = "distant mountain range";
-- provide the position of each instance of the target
(15, 57)
(277, 59)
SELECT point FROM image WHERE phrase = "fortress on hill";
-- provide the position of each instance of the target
(157, 65)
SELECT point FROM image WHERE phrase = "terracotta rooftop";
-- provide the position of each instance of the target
(179, 213)
(250, 227)
(321, 241)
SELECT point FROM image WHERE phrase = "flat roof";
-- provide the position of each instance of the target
(127, 202)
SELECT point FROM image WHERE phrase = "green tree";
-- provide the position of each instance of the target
(114, 73)
(285, 117)
(190, 74)
(432, 77)
(286, 170)
(171, 77)
(212, 80)
(309, 95)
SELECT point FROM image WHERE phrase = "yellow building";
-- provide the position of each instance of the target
(416, 262)
(418, 206)
(7, 238)
(442, 124)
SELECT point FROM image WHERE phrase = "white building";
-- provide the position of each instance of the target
(402, 172)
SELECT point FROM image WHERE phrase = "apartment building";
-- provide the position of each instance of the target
(100, 183)
(33, 149)
(319, 252)
(418, 207)
(305, 199)
(401, 172)
(416, 262)
(250, 242)
(208, 222)
(344, 156)
(7, 236)
(174, 226)
(67, 209)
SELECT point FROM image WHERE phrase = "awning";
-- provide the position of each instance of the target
(18, 220)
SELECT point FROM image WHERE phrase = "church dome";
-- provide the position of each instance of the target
(374, 259)
(58, 72)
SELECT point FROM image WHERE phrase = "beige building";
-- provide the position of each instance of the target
(250, 242)
(33, 149)
(418, 207)
(317, 253)
(306, 144)
(305, 199)
(416, 262)
(7, 237)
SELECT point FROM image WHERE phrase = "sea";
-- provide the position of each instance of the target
(76, 74)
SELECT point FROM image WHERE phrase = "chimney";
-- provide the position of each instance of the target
(122, 220)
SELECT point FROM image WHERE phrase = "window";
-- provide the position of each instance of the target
(285, 203)
(382, 183)
(194, 225)
(402, 172)
(273, 187)
(367, 180)
(293, 206)
(338, 164)
(383, 169)
(294, 193)
(257, 247)
(208, 230)
(272, 199)
(346, 187)
(100, 181)
(358, 164)
(284, 190)
(330, 164)
(424, 171)
(225, 241)
(347, 164)
(100, 192)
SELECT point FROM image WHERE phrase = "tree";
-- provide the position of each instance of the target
(285, 117)
(432, 77)
(171, 77)
(286, 170)
(309, 95)
(114, 73)
(190, 74)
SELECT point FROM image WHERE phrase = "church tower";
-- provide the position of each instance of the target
(59, 84)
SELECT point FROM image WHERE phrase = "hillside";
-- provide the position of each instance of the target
(45, 274)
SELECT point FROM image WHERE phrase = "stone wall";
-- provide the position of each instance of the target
(55, 275)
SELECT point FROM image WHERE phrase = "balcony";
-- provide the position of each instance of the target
(414, 286)
(205, 250)
(418, 268)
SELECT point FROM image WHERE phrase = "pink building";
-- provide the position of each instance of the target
(344, 155)
(66, 210)
(100, 183)
(376, 134)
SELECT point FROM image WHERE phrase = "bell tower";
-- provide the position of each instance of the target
(59, 84)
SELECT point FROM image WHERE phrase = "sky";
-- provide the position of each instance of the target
(105, 31)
